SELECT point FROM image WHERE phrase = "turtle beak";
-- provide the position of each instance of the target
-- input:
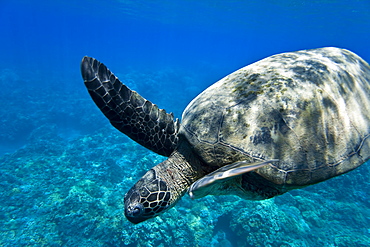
(134, 210)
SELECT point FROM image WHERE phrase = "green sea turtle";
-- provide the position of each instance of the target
(285, 122)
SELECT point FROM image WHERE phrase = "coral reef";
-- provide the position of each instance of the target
(71, 193)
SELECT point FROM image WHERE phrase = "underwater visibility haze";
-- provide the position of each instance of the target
(64, 170)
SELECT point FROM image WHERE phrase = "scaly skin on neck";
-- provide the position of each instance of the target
(162, 186)
(179, 171)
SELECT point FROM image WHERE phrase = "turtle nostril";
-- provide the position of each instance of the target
(137, 210)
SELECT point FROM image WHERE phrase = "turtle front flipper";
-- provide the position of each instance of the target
(127, 111)
(212, 183)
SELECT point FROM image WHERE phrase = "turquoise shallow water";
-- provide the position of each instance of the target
(64, 170)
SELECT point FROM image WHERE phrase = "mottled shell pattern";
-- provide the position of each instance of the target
(309, 109)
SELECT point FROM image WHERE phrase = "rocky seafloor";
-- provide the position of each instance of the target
(66, 189)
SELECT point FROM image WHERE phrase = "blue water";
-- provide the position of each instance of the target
(64, 170)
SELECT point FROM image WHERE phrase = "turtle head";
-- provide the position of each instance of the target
(149, 197)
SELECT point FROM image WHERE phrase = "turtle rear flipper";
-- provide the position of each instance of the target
(127, 111)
